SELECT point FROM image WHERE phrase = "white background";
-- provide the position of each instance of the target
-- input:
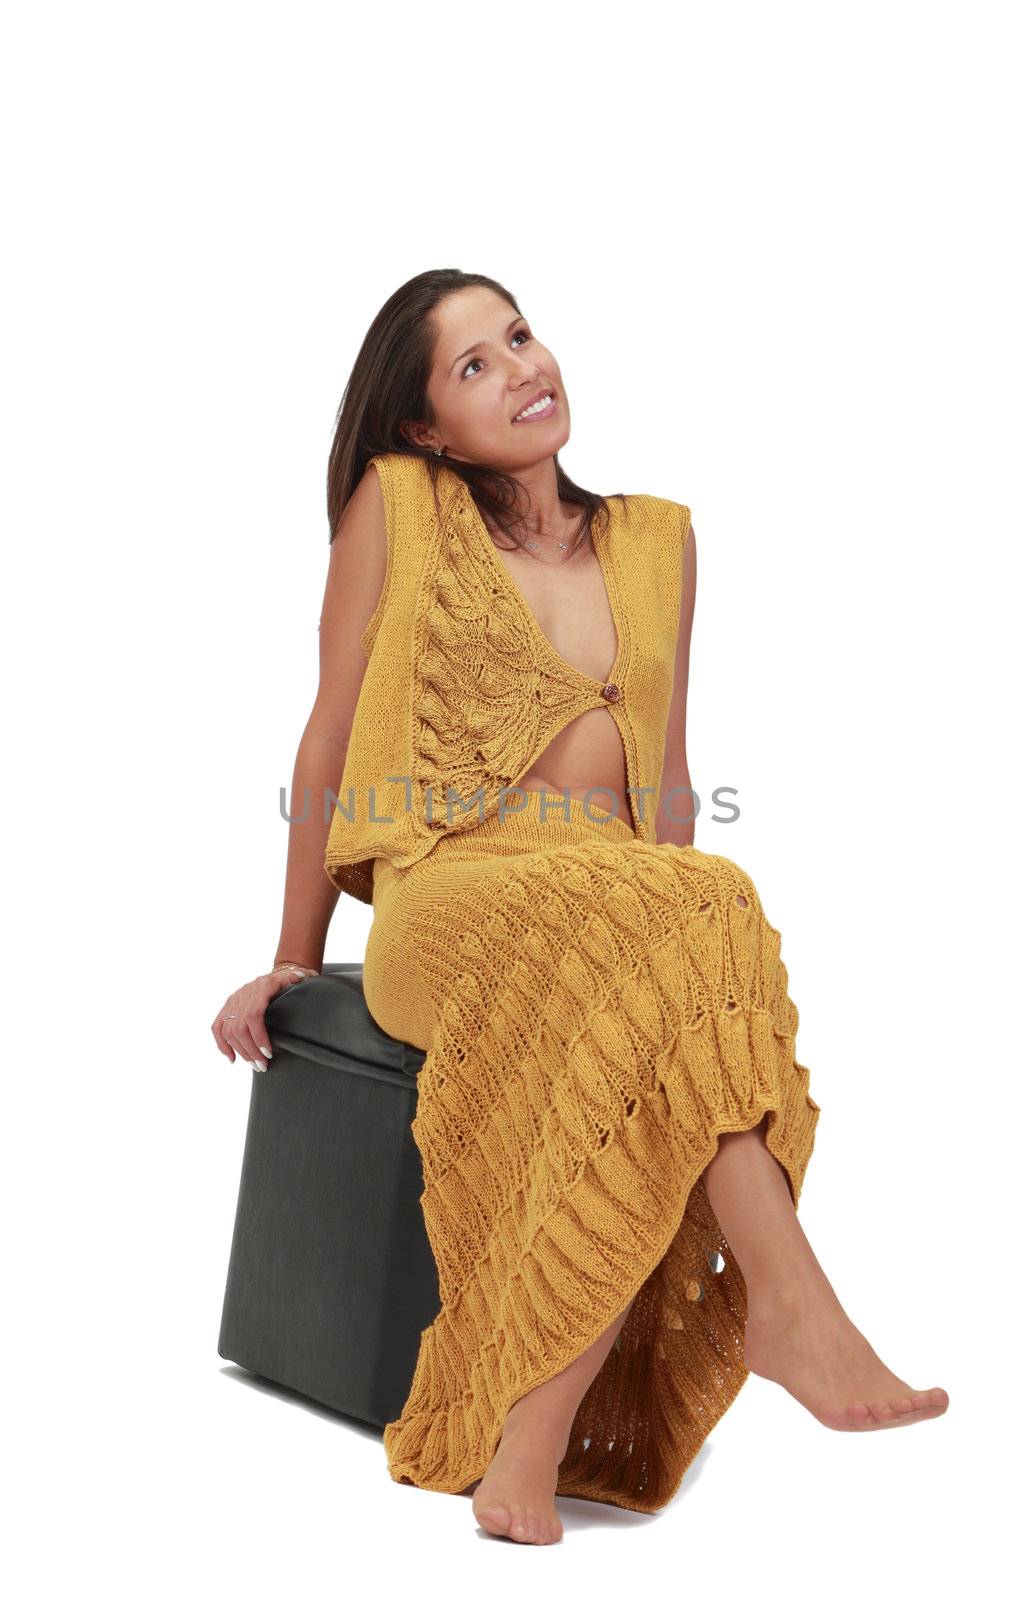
(766, 245)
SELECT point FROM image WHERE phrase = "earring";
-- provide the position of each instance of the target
(439, 451)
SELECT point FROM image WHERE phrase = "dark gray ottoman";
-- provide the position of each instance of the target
(331, 1278)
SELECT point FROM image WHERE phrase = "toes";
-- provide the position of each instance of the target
(919, 1399)
(933, 1399)
(859, 1415)
(879, 1412)
(523, 1528)
(494, 1519)
(542, 1530)
(527, 1528)
(508, 1524)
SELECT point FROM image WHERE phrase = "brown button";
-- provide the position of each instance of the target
(611, 691)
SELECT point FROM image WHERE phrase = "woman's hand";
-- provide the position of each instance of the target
(239, 1026)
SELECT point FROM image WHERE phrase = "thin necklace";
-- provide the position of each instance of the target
(562, 544)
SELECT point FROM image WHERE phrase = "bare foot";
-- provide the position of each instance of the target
(516, 1497)
(811, 1347)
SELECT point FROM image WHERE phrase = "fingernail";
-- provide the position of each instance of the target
(259, 1066)
(265, 1052)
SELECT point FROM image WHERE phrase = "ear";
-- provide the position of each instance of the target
(418, 434)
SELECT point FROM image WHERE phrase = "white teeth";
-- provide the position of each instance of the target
(532, 411)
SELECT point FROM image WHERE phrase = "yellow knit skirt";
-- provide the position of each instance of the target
(594, 1010)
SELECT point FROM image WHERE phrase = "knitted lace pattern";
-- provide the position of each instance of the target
(597, 1010)
(463, 691)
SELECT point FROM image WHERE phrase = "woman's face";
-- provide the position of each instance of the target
(487, 367)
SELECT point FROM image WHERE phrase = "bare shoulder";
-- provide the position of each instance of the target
(363, 516)
(357, 568)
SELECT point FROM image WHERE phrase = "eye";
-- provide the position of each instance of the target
(523, 333)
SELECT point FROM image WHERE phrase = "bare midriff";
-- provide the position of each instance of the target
(586, 759)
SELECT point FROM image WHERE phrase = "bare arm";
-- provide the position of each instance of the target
(355, 576)
(675, 771)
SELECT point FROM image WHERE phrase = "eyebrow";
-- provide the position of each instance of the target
(481, 344)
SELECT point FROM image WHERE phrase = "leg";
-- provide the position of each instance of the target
(516, 1497)
(798, 1333)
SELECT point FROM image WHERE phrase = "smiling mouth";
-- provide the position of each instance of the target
(544, 406)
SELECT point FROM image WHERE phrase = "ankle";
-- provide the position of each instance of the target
(785, 1299)
(542, 1435)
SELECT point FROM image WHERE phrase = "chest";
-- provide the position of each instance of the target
(569, 602)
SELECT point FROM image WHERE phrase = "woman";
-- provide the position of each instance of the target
(613, 1126)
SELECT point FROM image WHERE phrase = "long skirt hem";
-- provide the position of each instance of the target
(601, 1012)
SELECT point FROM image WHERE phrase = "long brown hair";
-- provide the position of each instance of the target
(389, 386)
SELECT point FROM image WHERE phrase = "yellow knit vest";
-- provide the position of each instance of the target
(463, 691)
